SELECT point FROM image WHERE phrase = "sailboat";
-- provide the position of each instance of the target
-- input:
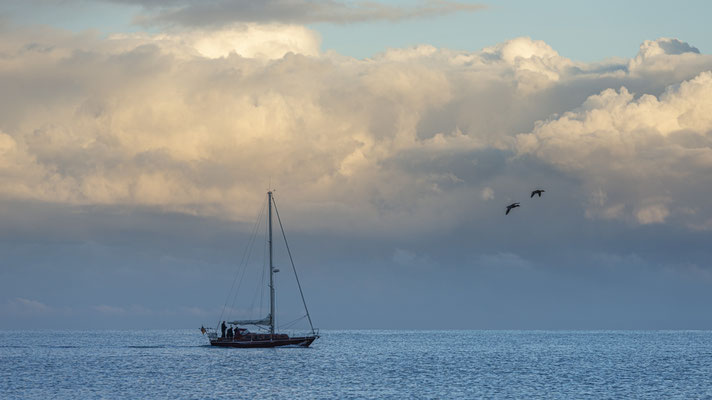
(239, 336)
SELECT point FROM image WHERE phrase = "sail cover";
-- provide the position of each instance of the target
(264, 321)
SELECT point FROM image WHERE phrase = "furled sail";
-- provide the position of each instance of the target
(264, 321)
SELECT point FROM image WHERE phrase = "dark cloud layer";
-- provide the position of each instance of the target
(190, 13)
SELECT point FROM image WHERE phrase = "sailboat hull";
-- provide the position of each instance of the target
(297, 341)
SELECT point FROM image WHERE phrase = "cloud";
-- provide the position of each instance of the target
(407, 258)
(641, 148)
(503, 260)
(197, 311)
(127, 159)
(133, 310)
(266, 41)
(111, 310)
(660, 49)
(666, 56)
(20, 306)
(199, 122)
(192, 13)
(653, 214)
(535, 64)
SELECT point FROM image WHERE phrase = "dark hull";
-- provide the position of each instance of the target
(301, 341)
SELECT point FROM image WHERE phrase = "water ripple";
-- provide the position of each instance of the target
(359, 365)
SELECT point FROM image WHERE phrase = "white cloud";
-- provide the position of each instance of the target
(264, 41)
(662, 53)
(536, 65)
(199, 122)
(640, 148)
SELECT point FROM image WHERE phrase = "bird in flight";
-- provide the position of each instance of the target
(510, 207)
(538, 191)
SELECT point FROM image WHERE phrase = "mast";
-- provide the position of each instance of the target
(271, 268)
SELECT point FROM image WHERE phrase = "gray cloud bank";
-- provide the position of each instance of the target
(196, 13)
(119, 156)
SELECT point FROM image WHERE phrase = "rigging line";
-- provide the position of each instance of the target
(292, 322)
(251, 309)
(243, 265)
(264, 269)
(245, 261)
(237, 273)
(251, 244)
(292, 261)
(259, 288)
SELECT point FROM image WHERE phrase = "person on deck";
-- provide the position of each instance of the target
(223, 327)
(229, 333)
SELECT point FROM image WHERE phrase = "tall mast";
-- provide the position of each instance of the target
(271, 268)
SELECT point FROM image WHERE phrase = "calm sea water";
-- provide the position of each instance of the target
(359, 364)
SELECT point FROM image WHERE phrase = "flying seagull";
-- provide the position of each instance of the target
(510, 207)
(538, 191)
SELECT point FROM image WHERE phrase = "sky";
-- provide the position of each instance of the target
(138, 139)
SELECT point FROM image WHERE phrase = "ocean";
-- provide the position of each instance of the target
(370, 364)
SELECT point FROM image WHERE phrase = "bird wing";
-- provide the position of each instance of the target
(533, 193)
(507, 213)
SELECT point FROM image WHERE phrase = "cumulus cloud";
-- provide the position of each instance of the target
(267, 41)
(667, 59)
(659, 51)
(199, 122)
(641, 148)
(535, 64)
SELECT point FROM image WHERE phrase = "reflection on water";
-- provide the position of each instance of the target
(359, 364)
